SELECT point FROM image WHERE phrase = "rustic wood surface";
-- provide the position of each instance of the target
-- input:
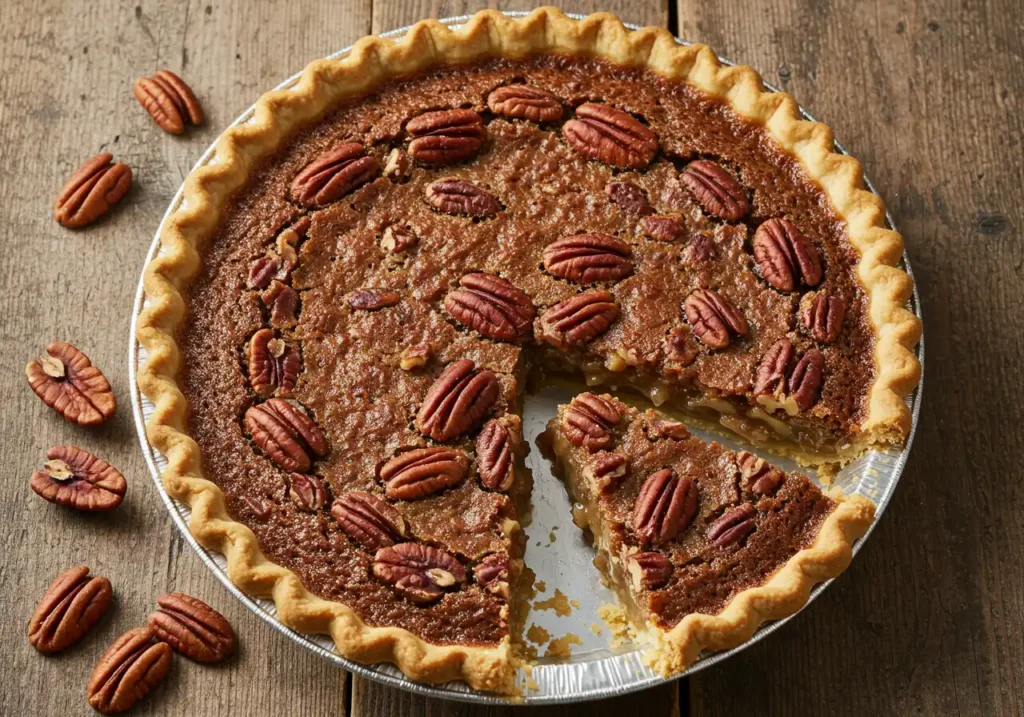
(929, 95)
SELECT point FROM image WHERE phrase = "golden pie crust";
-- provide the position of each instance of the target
(372, 60)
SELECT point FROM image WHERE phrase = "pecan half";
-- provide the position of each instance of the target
(770, 378)
(589, 421)
(169, 101)
(333, 174)
(66, 381)
(758, 476)
(307, 492)
(630, 198)
(713, 318)
(495, 456)
(283, 302)
(422, 472)
(660, 427)
(446, 137)
(784, 256)
(611, 136)
(495, 307)
(492, 574)
(372, 299)
(260, 507)
(588, 258)
(606, 469)
(665, 506)
(415, 356)
(455, 196)
(806, 379)
(579, 319)
(822, 316)
(274, 365)
(525, 102)
(77, 479)
(663, 227)
(284, 432)
(732, 526)
(278, 263)
(397, 238)
(421, 573)
(73, 603)
(132, 666)
(192, 628)
(369, 520)
(91, 191)
(460, 397)
(649, 571)
(717, 191)
(698, 251)
(398, 166)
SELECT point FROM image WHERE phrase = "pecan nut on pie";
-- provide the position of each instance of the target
(347, 304)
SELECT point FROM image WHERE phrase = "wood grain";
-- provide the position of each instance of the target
(929, 95)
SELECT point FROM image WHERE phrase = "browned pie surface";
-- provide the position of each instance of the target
(351, 382)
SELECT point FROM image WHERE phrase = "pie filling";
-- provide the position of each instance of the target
(358, 336)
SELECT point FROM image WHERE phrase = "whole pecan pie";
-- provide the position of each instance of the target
(358, 286)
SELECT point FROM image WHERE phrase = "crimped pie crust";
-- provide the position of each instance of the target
(373, 60)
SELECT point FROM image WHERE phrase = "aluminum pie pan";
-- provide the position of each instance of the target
(594, 670)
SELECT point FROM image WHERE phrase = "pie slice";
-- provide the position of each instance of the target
(701, 544)
(345, 309)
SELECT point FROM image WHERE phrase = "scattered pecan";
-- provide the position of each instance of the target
(822, 316)
(422, 472)
(660, 427)
(132, 666)
(455, 196)
(630, 198)
(368, 520)
(264, 270)
(758, 476)
(73, 603)
(611, 136)
(588, 258)
(283, 302)
(770, 378)
(278, 263)
(169, 101)
(663, 227)
(784, 256)
(699, 251)
(284, 432)
(665, 506)
(397, 238)
(732, 526)
(461, 396)
(649, 571)
(606, 469)
(713, 318)
(524, 102)
(92, 190)
(372, 299)
(260, 507)
(333, 174)
(78, 479)
(415, 356)
(398, 165)
(495, 307)
(589, 421)
(717, 191)
(192, 628)
(307, 492)
(492, 574)
(495, 456)
(446, 137)
(805, 381)
(421, 573)
(579, 319)
(66, 381)
(274, 365)
(681, 346)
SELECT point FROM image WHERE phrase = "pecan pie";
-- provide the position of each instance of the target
(344, 311)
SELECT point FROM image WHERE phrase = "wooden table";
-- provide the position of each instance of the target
(929, 95)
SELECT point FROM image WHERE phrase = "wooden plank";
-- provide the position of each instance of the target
(66, 73)
(929, 618)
